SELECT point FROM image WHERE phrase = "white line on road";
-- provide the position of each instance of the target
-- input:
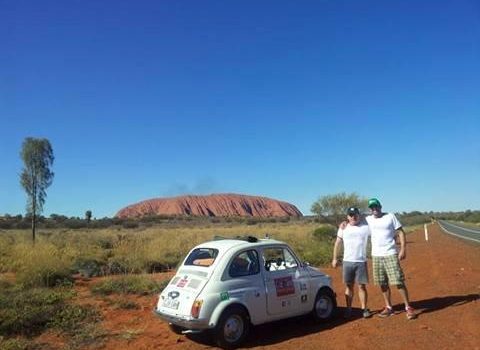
(463, 228)
(454, 234)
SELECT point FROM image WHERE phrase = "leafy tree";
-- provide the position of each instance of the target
(36, 176)
(332, 208)
(88, 216)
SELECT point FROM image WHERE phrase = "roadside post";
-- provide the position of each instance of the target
(426, 232)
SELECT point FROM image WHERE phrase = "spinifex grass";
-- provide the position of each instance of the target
(59, 253)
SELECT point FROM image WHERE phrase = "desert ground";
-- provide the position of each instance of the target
(443, 278)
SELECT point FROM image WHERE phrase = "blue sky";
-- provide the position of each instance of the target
(289, 100)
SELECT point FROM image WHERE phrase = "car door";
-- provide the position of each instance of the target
(243, 281)
(285, 281)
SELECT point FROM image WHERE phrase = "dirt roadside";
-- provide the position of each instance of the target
(443, 278)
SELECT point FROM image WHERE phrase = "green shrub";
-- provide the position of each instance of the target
(163, 284)
(131, 284)
(14, 344)
(130, 224)
(71, 316)
(252, 221)
(89, 267)
(101, 223)
(5, 224)
(156, 266)
(325, 232)
(318, 254)
(74, 223)
(28, 312)
(23, 225)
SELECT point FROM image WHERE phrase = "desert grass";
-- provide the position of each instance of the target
(59, 253)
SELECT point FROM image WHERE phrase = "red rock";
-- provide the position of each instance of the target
(211, 205)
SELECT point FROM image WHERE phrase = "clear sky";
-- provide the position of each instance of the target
(286, 99)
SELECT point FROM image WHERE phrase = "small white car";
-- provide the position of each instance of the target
(227, 285)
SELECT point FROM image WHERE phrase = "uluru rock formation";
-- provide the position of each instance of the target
(211, 205)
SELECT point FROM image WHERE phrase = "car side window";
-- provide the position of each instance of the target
(244, 264)
(290, 261)
(278, 259)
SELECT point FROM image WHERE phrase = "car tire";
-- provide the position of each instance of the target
(232, 328)
(176, 329)
(325, 305)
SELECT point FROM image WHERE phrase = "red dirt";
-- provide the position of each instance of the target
(443, 278)
(212, 205)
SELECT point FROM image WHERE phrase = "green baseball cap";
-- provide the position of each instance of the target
(374, 202)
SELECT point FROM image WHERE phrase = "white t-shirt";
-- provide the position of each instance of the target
(383, 234)
(355, 240)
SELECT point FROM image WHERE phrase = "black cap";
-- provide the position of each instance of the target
(353, 211)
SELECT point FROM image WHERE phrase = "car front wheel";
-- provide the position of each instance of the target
(325, 305)
(232, 328)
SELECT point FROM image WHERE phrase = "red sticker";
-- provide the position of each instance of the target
(284, 286)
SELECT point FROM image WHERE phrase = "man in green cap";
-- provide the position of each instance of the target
(386, 260)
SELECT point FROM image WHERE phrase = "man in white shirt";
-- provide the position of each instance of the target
(386, 260)
(354, 237)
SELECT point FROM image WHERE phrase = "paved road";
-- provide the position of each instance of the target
(459, 231)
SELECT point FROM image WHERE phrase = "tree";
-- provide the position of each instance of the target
(36, 176)
(332, 208)
(88, 216)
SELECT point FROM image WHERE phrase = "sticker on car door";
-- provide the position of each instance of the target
(284, 286)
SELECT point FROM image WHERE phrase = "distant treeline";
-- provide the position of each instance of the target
(62, 221)
(417, 217)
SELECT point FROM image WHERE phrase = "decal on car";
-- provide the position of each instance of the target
(182, 282)
(284, 286)
(194, 284)
(224, 296)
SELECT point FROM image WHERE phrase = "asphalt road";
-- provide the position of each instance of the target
(459, 231)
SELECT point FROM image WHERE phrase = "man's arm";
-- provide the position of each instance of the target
(335, 251)
(402, 254)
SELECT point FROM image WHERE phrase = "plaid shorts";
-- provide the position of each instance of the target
(387, 270)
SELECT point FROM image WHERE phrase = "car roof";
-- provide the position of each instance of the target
(226, 244)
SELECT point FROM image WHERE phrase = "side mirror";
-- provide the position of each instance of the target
(305, 264)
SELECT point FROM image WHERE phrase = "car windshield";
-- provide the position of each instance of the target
(202, 257)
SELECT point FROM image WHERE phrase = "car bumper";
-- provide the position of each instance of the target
(187, 322)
